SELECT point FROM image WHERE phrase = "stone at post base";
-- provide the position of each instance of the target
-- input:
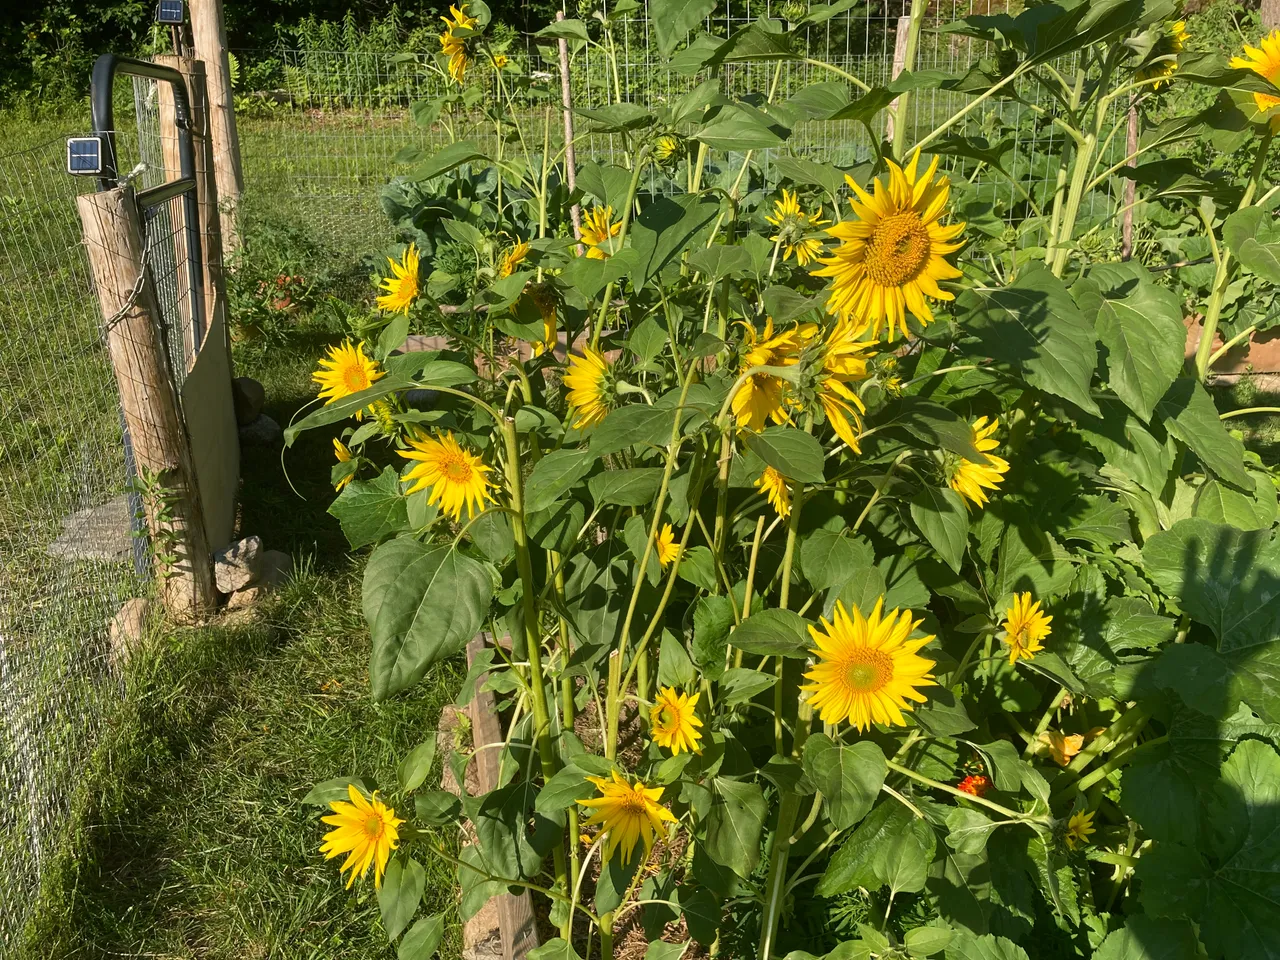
(126, 630)
(238, 565)
(249, 398)
(262, 432)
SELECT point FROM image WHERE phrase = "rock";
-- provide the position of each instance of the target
(262, 432)
(248, 597)
(237, 566)
(249, 397)
(126, 630)
(103, 533)
(277, 567)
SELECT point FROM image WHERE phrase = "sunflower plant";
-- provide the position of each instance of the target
(876, 579)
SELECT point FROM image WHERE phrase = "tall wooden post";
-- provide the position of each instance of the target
(570, 157)
(149, 399)
(899, 64)
(1130, 186)
(210, 36)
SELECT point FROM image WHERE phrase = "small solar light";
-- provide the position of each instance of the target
(170, 12)
(84, 156)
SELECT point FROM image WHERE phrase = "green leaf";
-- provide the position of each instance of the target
(827, 556)
(740, 685)
(647, 340)
(568, 29)
(738, 127)
(423, 604)
(940, 514)
(554, 475)
(638, 425)
(414, 768)
(849, 777)
(400, 894)
(1225, 578)
(851, 866)
(733, 825)
(675, 669)
(773, 633)
(423, 939)
(793, 453)
(861, 589)
(720, 260)
(902, 860)
(1129, 447)
(1030, 560)
(926, 941)
(1219, 503)
(698, 566)
(784, 304)
(1231, 886)
(931, 423)
(589, 276)
(323, 794)
(1034, 327)
(1189, 414)
(666, 228)
(1145, 938)
(658, 950)
(345, 408)
(1141, 326)
(673, 19)
(448, 158)
(630, 487)
(968, 830)
(967, 946)
(712, 621)
(371, 510)
(1252, 236)
(476, 890)
(617, 118)
(556, 527)
(437, 808)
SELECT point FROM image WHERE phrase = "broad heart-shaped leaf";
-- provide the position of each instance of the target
(673, 19)
(1029, 560)
(553, 476)
(414, 768)
(630, 487)
(720, 260)
(902, 861)
(733, 825)
(1144, 455)
(345, 408)
(589, 276)
(969, 946)
(738, 127)
(1252, 236)
(400, 894)
(1225, 578)
(849, 777)
(1145, 938)
(371, 510)
(637, 424)
(773, 633)
(1034, 327)
(827, 557)
(850, 867)
(666, 228)
(617, 118)
(447, 158)
(1230, 886)
(1189, 414)
(1140, 324)
(423, 604)
(931, 423)
(423, 939)
(940, 514)
(793, 453)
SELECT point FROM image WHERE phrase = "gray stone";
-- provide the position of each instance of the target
(126, 630)
(262, 432)
(103, 533)
(249, 397)
(237, 566)
(248, 597)
(277, 567)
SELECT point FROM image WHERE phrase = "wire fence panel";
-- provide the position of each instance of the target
(67, 558)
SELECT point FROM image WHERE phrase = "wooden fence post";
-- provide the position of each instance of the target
(149, 399)
(570, 158)
(899, 64)
(210, 35)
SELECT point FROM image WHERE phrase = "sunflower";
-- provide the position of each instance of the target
(346, 370)
(793, 226)
(402, 285)
(365, 830)
(674, 724)
(1079, 829)
(597, 227)
(343, 453)
(545, 299)
(774, 486)
(512, 259)
(454, 46)
(667, 148)
(892, 256)
(587, 379)
(971, 478)
(761, 395)
(1025, 626)
(844, 362)
(1164, 55)
(668, 549)
(975, 786)
(1263, 60)
(868, 667)
(628, 812)
(456, 477)
(500, 61)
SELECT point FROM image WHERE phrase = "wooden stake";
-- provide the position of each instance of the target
(899, 64)
(210, 35)
(135, 342)
(1130, 187)
(570, 159)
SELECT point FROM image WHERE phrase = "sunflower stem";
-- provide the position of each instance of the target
(947, 788)
(1045, 720)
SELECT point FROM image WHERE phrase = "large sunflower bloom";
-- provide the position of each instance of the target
(454, 46)
(456, 476)
(774, 486)
(597, 227)
(868, 668)
(971, 479)
(1263, 60)
(402, 285)
(793, 225)
(346, 370)
(512, 259)
(586, 379)
(844, 362)
(629, 813)
(1025, 628)
(892, 256)
(364, 830)
(673, 721)
(760, 398)
(1164, 62)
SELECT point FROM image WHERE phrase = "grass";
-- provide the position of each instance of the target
(189, 836)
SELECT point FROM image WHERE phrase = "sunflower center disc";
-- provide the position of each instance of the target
(897, 250)
(868, 671)
(667, 718)
(456, 469)
(633, 802)
(373, 826)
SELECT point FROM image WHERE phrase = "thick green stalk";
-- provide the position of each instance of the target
(1064, 164)
(1079, 178)
(632, 188)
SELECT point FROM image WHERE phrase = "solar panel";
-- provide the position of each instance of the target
(84, 156)
(169, 11)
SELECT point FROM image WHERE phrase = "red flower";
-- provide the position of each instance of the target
(974, 786)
